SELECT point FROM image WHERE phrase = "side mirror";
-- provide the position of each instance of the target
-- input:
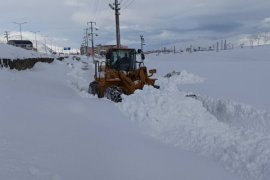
(139, 51)
(152, 71)
(142, 56)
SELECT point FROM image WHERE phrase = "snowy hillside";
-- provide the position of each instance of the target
(52, 129)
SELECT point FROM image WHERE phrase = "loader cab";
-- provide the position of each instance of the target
(121, 59)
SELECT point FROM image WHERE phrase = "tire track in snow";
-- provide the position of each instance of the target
(235, 135)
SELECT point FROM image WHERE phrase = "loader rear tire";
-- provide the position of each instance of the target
(113, 93)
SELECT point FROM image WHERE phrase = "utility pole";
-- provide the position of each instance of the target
(92, 37)
(20, 24)
(51, 46)
(116, 8)
(142, 42)
(45, 44)
(221, 45)
(35, 37)
(86, 42)
(6, 35)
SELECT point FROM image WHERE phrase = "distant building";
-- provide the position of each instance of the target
(99, 49)
(21, 43)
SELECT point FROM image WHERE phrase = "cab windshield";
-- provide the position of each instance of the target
(124, 60)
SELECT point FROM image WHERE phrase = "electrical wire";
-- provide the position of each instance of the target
(103, 15)
(124, 2)
(131, 2)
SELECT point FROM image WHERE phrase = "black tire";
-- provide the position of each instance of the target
(113, 93)
(23, 64)
(93, 88)
(12, 64)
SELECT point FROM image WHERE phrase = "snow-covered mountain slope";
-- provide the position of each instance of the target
(51, 128)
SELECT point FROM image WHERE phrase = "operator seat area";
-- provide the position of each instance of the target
(122, 60)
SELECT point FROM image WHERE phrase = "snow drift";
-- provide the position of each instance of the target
(234, 134)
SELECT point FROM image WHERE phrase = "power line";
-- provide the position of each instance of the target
(102, 15)
(125, 2)
(131, 2)
(95, 6)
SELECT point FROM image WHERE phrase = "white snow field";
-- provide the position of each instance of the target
(240, 74)
(52, 129)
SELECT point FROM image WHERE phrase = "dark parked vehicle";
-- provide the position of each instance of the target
(21, 43)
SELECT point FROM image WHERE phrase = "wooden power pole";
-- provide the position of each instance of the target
(116, 8)
(92, 38)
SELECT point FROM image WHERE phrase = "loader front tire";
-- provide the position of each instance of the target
(93, 88)
(113, 93)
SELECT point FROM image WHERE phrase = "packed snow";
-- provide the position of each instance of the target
(51, 128)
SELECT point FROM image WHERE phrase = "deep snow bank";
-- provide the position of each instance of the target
(12, 52)
(234, 134)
